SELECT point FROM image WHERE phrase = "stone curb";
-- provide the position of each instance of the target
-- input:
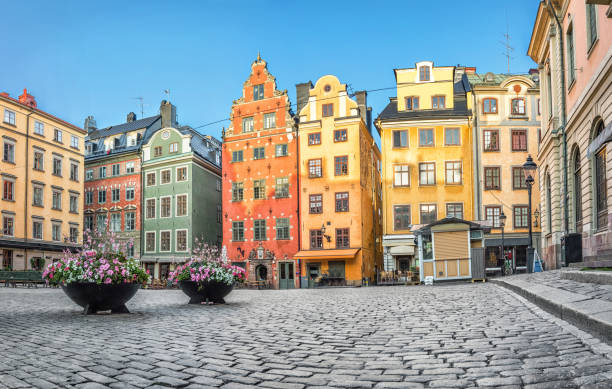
(592, 277)
(601, 327)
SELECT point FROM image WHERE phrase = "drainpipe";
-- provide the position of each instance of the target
(299, 221)
(27, 174)
(476, 157)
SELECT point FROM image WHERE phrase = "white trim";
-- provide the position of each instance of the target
(176, 196)
(186, 173)
(176, 240)
(145, 208)
(160, 242)
(147, 178)
(160, 176)
(160, 207)
(154, 241)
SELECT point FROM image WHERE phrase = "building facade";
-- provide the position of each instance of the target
(572, 44)
(181, 173)
(42, 184)
(506, 122)
(340, 196)
(427, 166)
(260, 182)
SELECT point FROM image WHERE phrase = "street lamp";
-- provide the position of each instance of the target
(529, 168)
(502, 224)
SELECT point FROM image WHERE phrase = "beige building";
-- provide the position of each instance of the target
(42, 184)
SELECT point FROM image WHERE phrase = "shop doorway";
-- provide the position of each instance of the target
(286, 275)
(314, 271)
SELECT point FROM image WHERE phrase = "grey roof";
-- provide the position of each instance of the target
(125, 127)
(494, 79)
(450, 220)
(205, 146)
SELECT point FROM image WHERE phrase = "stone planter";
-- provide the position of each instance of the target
(95, 297)
(199, 292)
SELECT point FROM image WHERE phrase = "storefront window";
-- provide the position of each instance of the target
(427, 247)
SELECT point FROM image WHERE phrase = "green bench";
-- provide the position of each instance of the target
(28, 278)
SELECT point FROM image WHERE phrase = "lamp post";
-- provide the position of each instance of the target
(529, 167)
(502, 224)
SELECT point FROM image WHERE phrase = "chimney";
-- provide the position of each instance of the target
(364, 111)
(131, 117)
(168, 114)
(533, 71)
(303, 93)
(90, 124)
(27, 99)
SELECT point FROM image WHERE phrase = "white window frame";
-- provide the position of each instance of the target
(129, 189)
(147, 179)
(39, 127)
(160, 207)
(176, 175)
(130, 167)
(176, 240)
(169, 240)
(59, 237)
(74, 142)
(10, 115)
(76, 202)
(161, 174)
(42, 229)
(176, 204)
(125, 221)
(267, 121)
(146, 206)
(12, 155)
(110, 225)
(154, 241)
(58, 135)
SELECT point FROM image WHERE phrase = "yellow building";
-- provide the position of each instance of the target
(427, 171)
(340, 195)
(42, 184)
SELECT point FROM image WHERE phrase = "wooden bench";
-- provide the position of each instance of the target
(30, 278)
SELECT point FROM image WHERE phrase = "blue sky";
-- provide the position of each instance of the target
(93, 58)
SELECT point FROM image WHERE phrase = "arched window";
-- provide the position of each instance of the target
(577, 191)
(548, 203)
(601, 190)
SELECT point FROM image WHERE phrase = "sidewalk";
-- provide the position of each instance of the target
(587, 305)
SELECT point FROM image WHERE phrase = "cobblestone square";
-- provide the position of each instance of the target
(445, 336)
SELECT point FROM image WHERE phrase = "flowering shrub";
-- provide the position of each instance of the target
(206, 264)
(101, 260)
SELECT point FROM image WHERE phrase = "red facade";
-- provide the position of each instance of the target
(260, 182)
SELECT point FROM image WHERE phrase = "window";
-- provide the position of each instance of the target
(412, 103)
(591, 18)
(454, 210)
(400, 138)
(9, 152)
(401, 217)
(74, 172)
(130, 221)
(37, 197)
(219, 217)
(427, 173)
(577, 191)
(424, 73)
(150, 209)
(39, 158)
(259, 189)
(88, 174)
(150, 179)
(269, 120)
(74, 234)
(37, 229)
(9, 117)
(56, 200)
(115, 222)
(150, 241)
(518, 178)
(340, 135)
(89, 222)
(571, 56)
(281, 150)
(165, 177)
(8, 225)
(429, 213)
(282, 228)
(259, 152)
(130, 193)
(115, 194)
(237, 191)
(247, 124)
(489, 105)
(129, 167)
(173, 147)
(314, 168)
(328, 110)
(101, 222)
(316, 203)
(165, 209)
(181, 205)
(157, 151)
(282, 188)
(39, 128)
(8, 192)
(426, 137)
(438, 102)
(492, 215)
(57, 166)
(518, 106)
(519, 140)
(342, 202)
(115, 169)
(218, 184)
(181, 240)
(164, 241)
(401, 175)
(102, 172)
(601, 182)
(258, 92)
(101, 196)
(491, 140)
(57, 135)
(316, 239)
(341, 165)
(342, 238)
(74, 142)
(492, 180)
(314, 139)
(521, 218)
(453, 172)
(259, 229)
(238, 231)
(452, 137)
(237, 156)
(74, 203)
(89, 197)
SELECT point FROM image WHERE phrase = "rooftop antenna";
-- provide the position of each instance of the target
(508, 49)
(167, 92)
(141, 99)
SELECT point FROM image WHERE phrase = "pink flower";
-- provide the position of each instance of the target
(108, 281)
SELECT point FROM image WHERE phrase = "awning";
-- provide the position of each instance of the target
(327, 254)
(402, 250)
(507, 242)
(163, 259)
(604, 137)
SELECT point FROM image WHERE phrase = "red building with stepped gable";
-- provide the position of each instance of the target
(260, 182)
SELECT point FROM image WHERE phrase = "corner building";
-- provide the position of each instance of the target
(260, 182)
(340, 196)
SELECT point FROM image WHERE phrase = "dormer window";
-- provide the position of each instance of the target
(424, 73)
(518, 106)
(117, 142)
(489, 105)
(412, 103)
(258, 92)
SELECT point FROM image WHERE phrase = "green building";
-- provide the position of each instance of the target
(181, 173)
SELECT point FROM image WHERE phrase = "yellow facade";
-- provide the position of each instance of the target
(332, 130)
(42, 181)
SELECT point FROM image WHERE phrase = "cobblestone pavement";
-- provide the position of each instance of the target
(553, 279)
(453, 336)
